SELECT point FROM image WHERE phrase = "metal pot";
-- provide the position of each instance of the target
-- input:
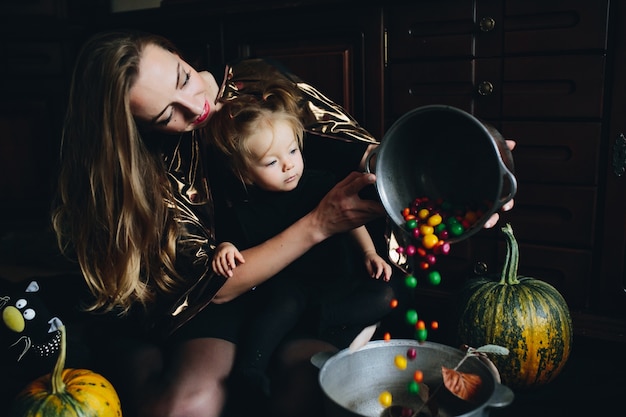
(353, 381)
(442, 152)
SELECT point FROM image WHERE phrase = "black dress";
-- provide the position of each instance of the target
(327, 290)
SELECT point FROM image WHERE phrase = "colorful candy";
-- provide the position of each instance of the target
(410, 281)
(434, 277)
(411, 353)
(418, 376)
(400, 362)
(421, 334)
(385, 399)
(411, 316)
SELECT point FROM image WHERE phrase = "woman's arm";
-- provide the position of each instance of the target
(339, 211)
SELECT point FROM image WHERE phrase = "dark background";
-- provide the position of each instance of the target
(550, 75)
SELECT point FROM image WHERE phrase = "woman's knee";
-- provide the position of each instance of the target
(194, 383)
(206, 400)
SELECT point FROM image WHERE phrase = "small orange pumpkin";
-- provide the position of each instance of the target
(67, 393)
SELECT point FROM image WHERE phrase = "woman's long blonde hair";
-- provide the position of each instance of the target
(113, 192)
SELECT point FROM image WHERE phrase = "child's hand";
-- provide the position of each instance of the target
(226, 258)
(376, 266)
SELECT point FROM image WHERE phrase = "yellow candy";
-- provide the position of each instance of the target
(385, 398)
(434, 220)
(426, 230)
(429, 241)
(400, 362)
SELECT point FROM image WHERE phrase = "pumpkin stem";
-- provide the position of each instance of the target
(509, 271)
(56, 379)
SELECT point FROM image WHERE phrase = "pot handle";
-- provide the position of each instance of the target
(320, 358)
(512, 185)
(507, 165)
(502, 396)
(369, 157)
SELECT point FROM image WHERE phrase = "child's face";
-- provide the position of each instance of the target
(276, 163)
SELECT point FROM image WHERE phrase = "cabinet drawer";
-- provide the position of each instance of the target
(568, 270)
(549, 26)
(431, 29)
(557, 215)
(569, 86)
(433, 82)
(447, 29)
(555, 153)
(538, 87)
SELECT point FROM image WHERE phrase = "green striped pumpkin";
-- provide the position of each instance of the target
(526, 315)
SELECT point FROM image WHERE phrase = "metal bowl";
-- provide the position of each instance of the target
(442, 152)
(353, 381)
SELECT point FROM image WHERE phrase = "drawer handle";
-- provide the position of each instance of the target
(487, 24)
(619, 155)
(485, 88)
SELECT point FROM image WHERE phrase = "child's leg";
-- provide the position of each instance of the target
(280, 312)
(342, 319)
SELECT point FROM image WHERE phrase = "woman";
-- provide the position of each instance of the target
(138, 211)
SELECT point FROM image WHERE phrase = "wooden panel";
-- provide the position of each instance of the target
(40, 58)
(609, 292)
(553, 87)
(423, 83)
(561, 215)
(431, 29)
(568, 270)
(555, 26)
(555, 153)
(340, 53)
(27, 155)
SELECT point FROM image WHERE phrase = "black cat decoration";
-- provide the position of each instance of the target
(30, 332)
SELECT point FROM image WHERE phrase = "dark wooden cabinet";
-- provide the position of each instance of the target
(540, 73)
(550, 75)
(340, 53)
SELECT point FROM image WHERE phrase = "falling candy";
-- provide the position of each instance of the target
(418, 376)
(410, 281)
(434, 278)
(385, 399)
(421, 334)
(413, 387)
(400, 362)
(411, 353)
(411, 317)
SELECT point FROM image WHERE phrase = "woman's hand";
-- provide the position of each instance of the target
(342, 209)
(493, 220)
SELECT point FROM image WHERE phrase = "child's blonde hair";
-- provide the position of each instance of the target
(242, 116)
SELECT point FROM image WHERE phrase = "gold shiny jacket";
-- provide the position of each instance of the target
(188, 174)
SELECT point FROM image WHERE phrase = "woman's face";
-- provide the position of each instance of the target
(169, 95)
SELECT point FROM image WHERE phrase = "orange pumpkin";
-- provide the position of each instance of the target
(67, 393)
